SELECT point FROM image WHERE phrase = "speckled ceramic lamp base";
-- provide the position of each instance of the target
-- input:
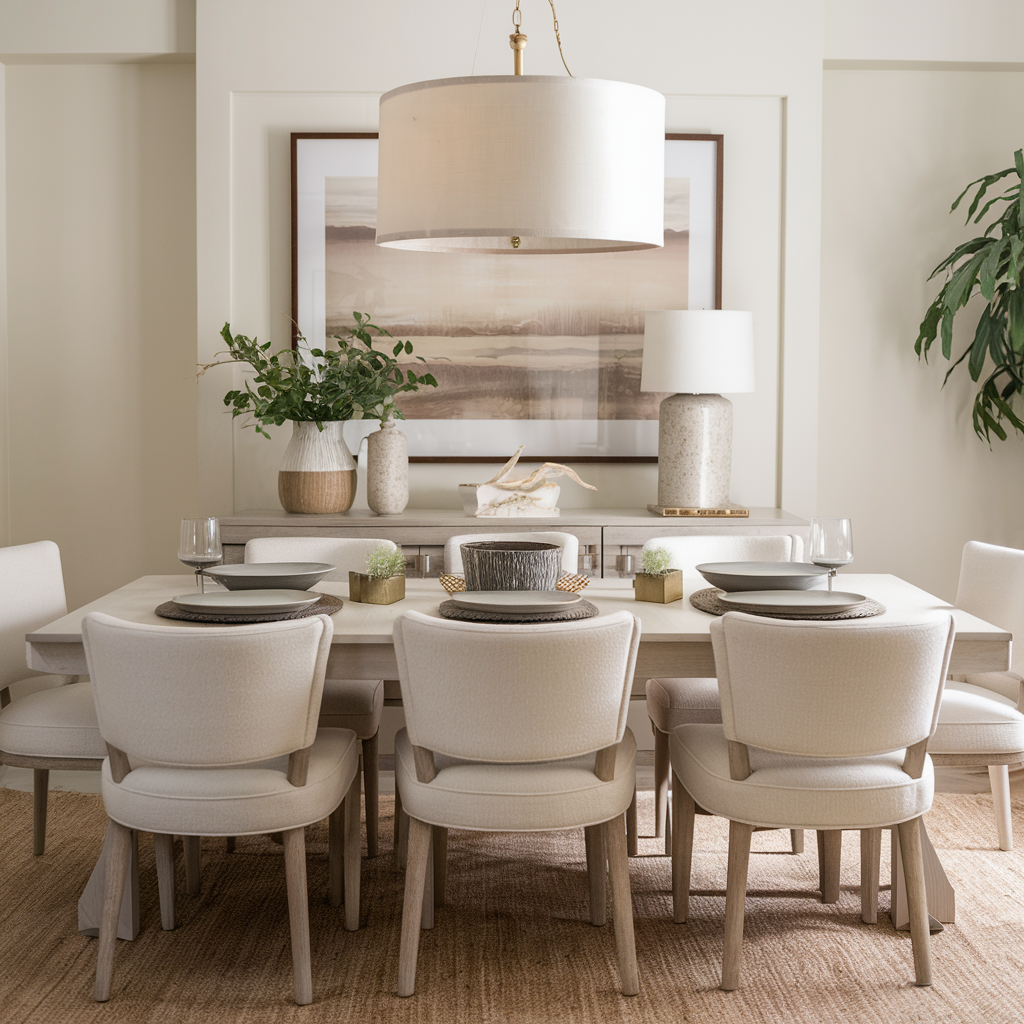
(694, 451)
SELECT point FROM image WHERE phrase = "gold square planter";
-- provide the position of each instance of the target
(659, 589)
(365, 589)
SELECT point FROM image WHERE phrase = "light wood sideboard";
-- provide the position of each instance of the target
(603, 534)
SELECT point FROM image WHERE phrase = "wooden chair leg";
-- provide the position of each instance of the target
(402, 826)
(735, 899)
(683, 812)
(396, 839)
(298, 912)
(661, 770)
(631, 827)
(870, 854)
(412, 908)
(597, 872)
(622, 904)
(118, 853)
(999, 779)
(164, 845)
(40, 793)
(830, 851)
(917, 899)
(796, 840)
(336, 853)
(440, 857)
(371, 789)
(192, 864)
(353, 859)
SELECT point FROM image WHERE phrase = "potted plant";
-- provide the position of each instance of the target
(656, 581)
(384, 579)
(992, 264)
(318, 390)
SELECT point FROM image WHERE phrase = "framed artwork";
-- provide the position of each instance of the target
(544, 351)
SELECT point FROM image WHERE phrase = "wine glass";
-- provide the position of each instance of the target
(199, 546)
(831, 544)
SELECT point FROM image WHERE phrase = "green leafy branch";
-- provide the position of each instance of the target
(993, 265)
(353, 381)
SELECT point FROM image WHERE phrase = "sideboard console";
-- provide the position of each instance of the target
(605, 535)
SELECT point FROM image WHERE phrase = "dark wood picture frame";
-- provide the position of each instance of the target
(719, 141)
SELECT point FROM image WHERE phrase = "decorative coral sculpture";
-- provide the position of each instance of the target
(533, 495)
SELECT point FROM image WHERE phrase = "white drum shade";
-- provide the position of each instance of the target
(564, 165)
(698, 351)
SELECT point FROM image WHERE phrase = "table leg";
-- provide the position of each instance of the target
(90, 904)
(941, 896)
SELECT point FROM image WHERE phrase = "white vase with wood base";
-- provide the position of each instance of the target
(318, 473)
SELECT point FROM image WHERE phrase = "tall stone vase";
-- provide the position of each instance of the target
(387, 470)
(318, 473)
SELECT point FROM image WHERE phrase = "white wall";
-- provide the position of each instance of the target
(264, 69)
(101, 315)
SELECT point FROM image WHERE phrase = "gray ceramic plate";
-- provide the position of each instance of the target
(730, 576)
(270, 575)
(511, 601)
(800, 602)
(247, 602)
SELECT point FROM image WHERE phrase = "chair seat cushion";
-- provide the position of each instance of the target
(352, 704)
(798, 792)
(536, 797)
(974, 720)
(57, 722)
(1006, 684)
(234, 801)
(675, 702)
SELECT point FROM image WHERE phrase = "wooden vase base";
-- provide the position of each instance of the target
(317, 492)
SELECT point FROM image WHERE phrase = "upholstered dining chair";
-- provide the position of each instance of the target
(51, 723)
(213, 732)
(569, 544)
(516, 729)
(980, 719)
(673, 702)
(824, 726)
(348, 703)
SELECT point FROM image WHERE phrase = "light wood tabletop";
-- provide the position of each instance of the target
(675, 639)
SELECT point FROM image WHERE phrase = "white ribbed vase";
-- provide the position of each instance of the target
(318, 473)
(387, 470)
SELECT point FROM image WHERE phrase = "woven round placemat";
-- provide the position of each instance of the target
(583, 610)
(327, 605)
(708, 601)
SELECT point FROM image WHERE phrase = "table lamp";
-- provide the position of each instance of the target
(696, 353)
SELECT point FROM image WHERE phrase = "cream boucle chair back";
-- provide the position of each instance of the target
(207, 697)
(514, 694)
(829, 689)
(347, 554)
(688, 552)
(569, 544)
(992, 587)
(31, 595)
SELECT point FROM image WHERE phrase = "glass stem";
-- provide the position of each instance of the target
(831, 573)
(200, 582)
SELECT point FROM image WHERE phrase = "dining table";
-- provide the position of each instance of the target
(675, 641)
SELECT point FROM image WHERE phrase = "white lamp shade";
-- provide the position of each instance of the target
(565, 165)
(698, 351)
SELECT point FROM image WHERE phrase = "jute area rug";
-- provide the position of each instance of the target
(513, 942)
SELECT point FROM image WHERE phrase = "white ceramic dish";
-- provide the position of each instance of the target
(509, 602)
(247, 602)
(799, 602)
(270, 575)
(732, 576)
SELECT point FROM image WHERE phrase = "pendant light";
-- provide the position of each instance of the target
(521, 163)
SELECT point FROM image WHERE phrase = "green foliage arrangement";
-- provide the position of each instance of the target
(382, 563)
(992, 264)
(351, 382)
(655, 562)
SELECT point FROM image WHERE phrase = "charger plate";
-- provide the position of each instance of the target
(326, 605)
(516, 602)
(711, 601)
(580, 610)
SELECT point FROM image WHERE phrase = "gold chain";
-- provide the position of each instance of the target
(517, 21)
